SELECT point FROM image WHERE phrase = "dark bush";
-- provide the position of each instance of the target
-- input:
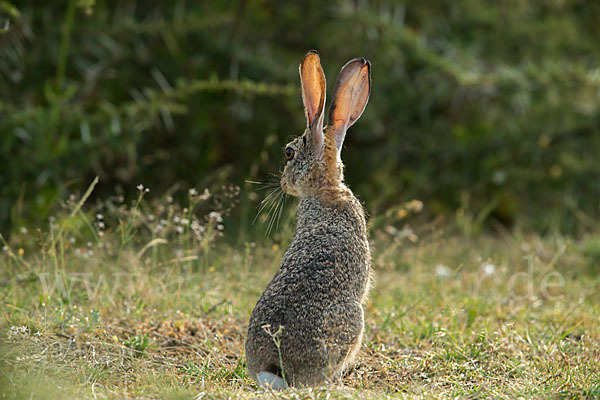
(492, 106)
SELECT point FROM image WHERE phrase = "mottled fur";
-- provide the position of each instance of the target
(318, 293)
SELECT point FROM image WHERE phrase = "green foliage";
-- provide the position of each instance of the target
(591, 251)
(495, 102)
(138, 344)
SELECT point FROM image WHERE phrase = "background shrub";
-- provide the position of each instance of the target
(489, 107)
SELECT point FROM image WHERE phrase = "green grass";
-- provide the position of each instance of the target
(123, 304)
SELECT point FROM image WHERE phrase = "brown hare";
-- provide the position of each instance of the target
(308, 324)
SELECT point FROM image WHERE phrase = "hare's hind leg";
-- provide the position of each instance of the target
(347, 321)
(353, 351)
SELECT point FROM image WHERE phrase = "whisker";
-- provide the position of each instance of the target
(273, 181)
(265, 185)
(265, 202)
(283, 200)
(272, 206)
(271, 214)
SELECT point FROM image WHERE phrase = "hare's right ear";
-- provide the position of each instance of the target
(312, 79)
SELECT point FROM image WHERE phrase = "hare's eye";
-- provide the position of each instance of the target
(289, 153)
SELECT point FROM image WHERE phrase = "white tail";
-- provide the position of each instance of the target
(267, 380)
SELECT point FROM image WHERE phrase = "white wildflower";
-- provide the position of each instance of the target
(205, 195)
(17, 330)
(215, 216)
(442, 271)
(488, 269)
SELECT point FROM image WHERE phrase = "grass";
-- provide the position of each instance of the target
(151, 300)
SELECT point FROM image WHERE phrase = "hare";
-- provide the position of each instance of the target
(308, 324)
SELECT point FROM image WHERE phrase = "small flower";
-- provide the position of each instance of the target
(488, 269)
(215, 216)
(21, 251)
(416, 205)
(543, 141)
(99, 216)
(211, 268)
(140, 187)
(23, 230)
(197, 229)
(442, 271)
(17, 330)
(193, 192)
(275, 247)
(205, 195)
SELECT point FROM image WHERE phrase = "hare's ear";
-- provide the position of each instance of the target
(312, 79)
(350, 96)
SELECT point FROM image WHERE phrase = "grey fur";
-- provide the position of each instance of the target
(318, 293)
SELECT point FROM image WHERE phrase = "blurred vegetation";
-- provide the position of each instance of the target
(485, 111)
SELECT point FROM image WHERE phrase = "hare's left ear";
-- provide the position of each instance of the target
(312, 79)
(350, 96)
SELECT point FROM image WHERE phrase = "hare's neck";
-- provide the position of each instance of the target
(315, 211)
(309, 209)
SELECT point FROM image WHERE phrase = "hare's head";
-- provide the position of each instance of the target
(313, 159)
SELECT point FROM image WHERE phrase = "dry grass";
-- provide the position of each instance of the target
(162, 314)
